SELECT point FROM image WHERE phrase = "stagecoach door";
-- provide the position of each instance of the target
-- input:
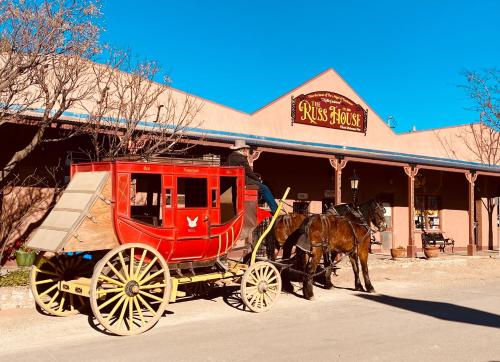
(191, 217)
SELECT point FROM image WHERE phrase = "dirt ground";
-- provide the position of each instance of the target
(439, 309)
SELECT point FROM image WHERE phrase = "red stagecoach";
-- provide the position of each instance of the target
(131, 236)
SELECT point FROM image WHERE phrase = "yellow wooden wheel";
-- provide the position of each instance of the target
(130, 289)
(260, 286)
(45, 275)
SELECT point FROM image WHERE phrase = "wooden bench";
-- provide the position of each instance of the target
(437, 239)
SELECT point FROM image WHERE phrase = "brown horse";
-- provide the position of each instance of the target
(284, 226)
(327, 235)
(286, 230)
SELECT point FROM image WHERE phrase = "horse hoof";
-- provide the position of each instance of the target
(370, 290)
(311, 298)
(359, 289)
(329, 286)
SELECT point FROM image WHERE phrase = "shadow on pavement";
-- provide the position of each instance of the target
(440, 310)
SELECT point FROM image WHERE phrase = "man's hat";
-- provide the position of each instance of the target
(238, 144)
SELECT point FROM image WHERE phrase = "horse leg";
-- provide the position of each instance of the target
(310, 269)
(355, 268)
(363, 259)
(328, 261)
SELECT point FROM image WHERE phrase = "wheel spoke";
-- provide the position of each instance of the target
(151, 277)
(124, 266)
(147, 269)
(141, 262)
(258, 302)
(255, 295)
(111, 280)
(45, 281)
(153, 286)
(137, 306)
(270, 273)
(108, 302)
(253, 280)
(275, 292)
(146, 304)
(151, 296)
(117, 273)
(112, 290)
(53, 298)
(267, 299)
(132, 258)
(71, 302)
(115, 308)
(122, 313)
(131, 308)
(274, 277)
(48, 290)
(61, 304)
(49, 273)
(265, 270)
(51, 264)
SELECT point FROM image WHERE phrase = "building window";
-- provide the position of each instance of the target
(427, 212)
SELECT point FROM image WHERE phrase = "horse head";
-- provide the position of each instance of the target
(374, 212)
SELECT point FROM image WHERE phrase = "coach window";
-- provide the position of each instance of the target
(145, 193)
(228, 198)
(192, 192)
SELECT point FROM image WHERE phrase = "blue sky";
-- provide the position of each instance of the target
(404, 58)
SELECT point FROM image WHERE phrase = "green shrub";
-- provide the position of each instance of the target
(16, 278)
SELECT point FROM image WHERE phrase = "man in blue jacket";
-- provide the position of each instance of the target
(239, 157)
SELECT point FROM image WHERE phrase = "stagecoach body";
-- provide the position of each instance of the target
(189, 213)
(129, 237)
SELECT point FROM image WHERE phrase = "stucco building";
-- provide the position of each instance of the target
(316, 136)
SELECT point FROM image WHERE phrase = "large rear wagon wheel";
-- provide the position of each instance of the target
(130, 289)
(260, 286)
(45, 275)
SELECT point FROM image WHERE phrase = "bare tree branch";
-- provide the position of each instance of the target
(44, 52)
(133, 114)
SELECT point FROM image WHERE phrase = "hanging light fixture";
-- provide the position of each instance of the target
(354, 187)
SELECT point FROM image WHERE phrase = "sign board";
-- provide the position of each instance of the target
(330, 110)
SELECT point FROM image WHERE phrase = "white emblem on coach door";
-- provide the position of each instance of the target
(192, 223)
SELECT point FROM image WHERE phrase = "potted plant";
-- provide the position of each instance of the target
(25, 256)
(399, 252)
(431, 251)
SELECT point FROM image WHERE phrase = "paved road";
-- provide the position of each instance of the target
(404, 321)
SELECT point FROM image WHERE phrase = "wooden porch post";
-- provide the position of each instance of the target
(411, 171)
(338, 163)
(471, 177)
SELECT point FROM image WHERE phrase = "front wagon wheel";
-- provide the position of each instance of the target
(130, 289)
(260, 286)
